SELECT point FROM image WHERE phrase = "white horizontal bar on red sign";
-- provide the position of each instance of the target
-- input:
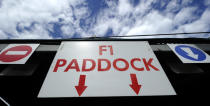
(16, 52)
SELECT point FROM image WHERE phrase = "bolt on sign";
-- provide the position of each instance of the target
(105, 68)
(17, 53)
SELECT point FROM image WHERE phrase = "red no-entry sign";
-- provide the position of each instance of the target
(17, 53)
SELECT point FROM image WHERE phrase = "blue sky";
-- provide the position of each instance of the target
(57, 19)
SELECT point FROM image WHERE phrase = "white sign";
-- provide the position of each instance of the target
(189, 53)
(17, 53)
(105, 68)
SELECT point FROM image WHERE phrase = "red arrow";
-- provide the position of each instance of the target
(81, 87)
(135, 86)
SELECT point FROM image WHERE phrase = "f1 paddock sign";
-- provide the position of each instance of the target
(189, 53)
(105, 68)
(17, 53)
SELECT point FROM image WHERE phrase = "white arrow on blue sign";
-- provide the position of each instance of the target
(189, 53)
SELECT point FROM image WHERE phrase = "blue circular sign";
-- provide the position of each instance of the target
(190, 53)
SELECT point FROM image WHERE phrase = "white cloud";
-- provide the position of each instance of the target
(3, 35)
(68, 30)
(121, 17)
(37, 32)
(152, 23)
(148, 20)
(186, 2)
(199, 25)
(207, 2)
(25, 12)
(185, 15)
(124, 7)
(81, 12)
(173, 6)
